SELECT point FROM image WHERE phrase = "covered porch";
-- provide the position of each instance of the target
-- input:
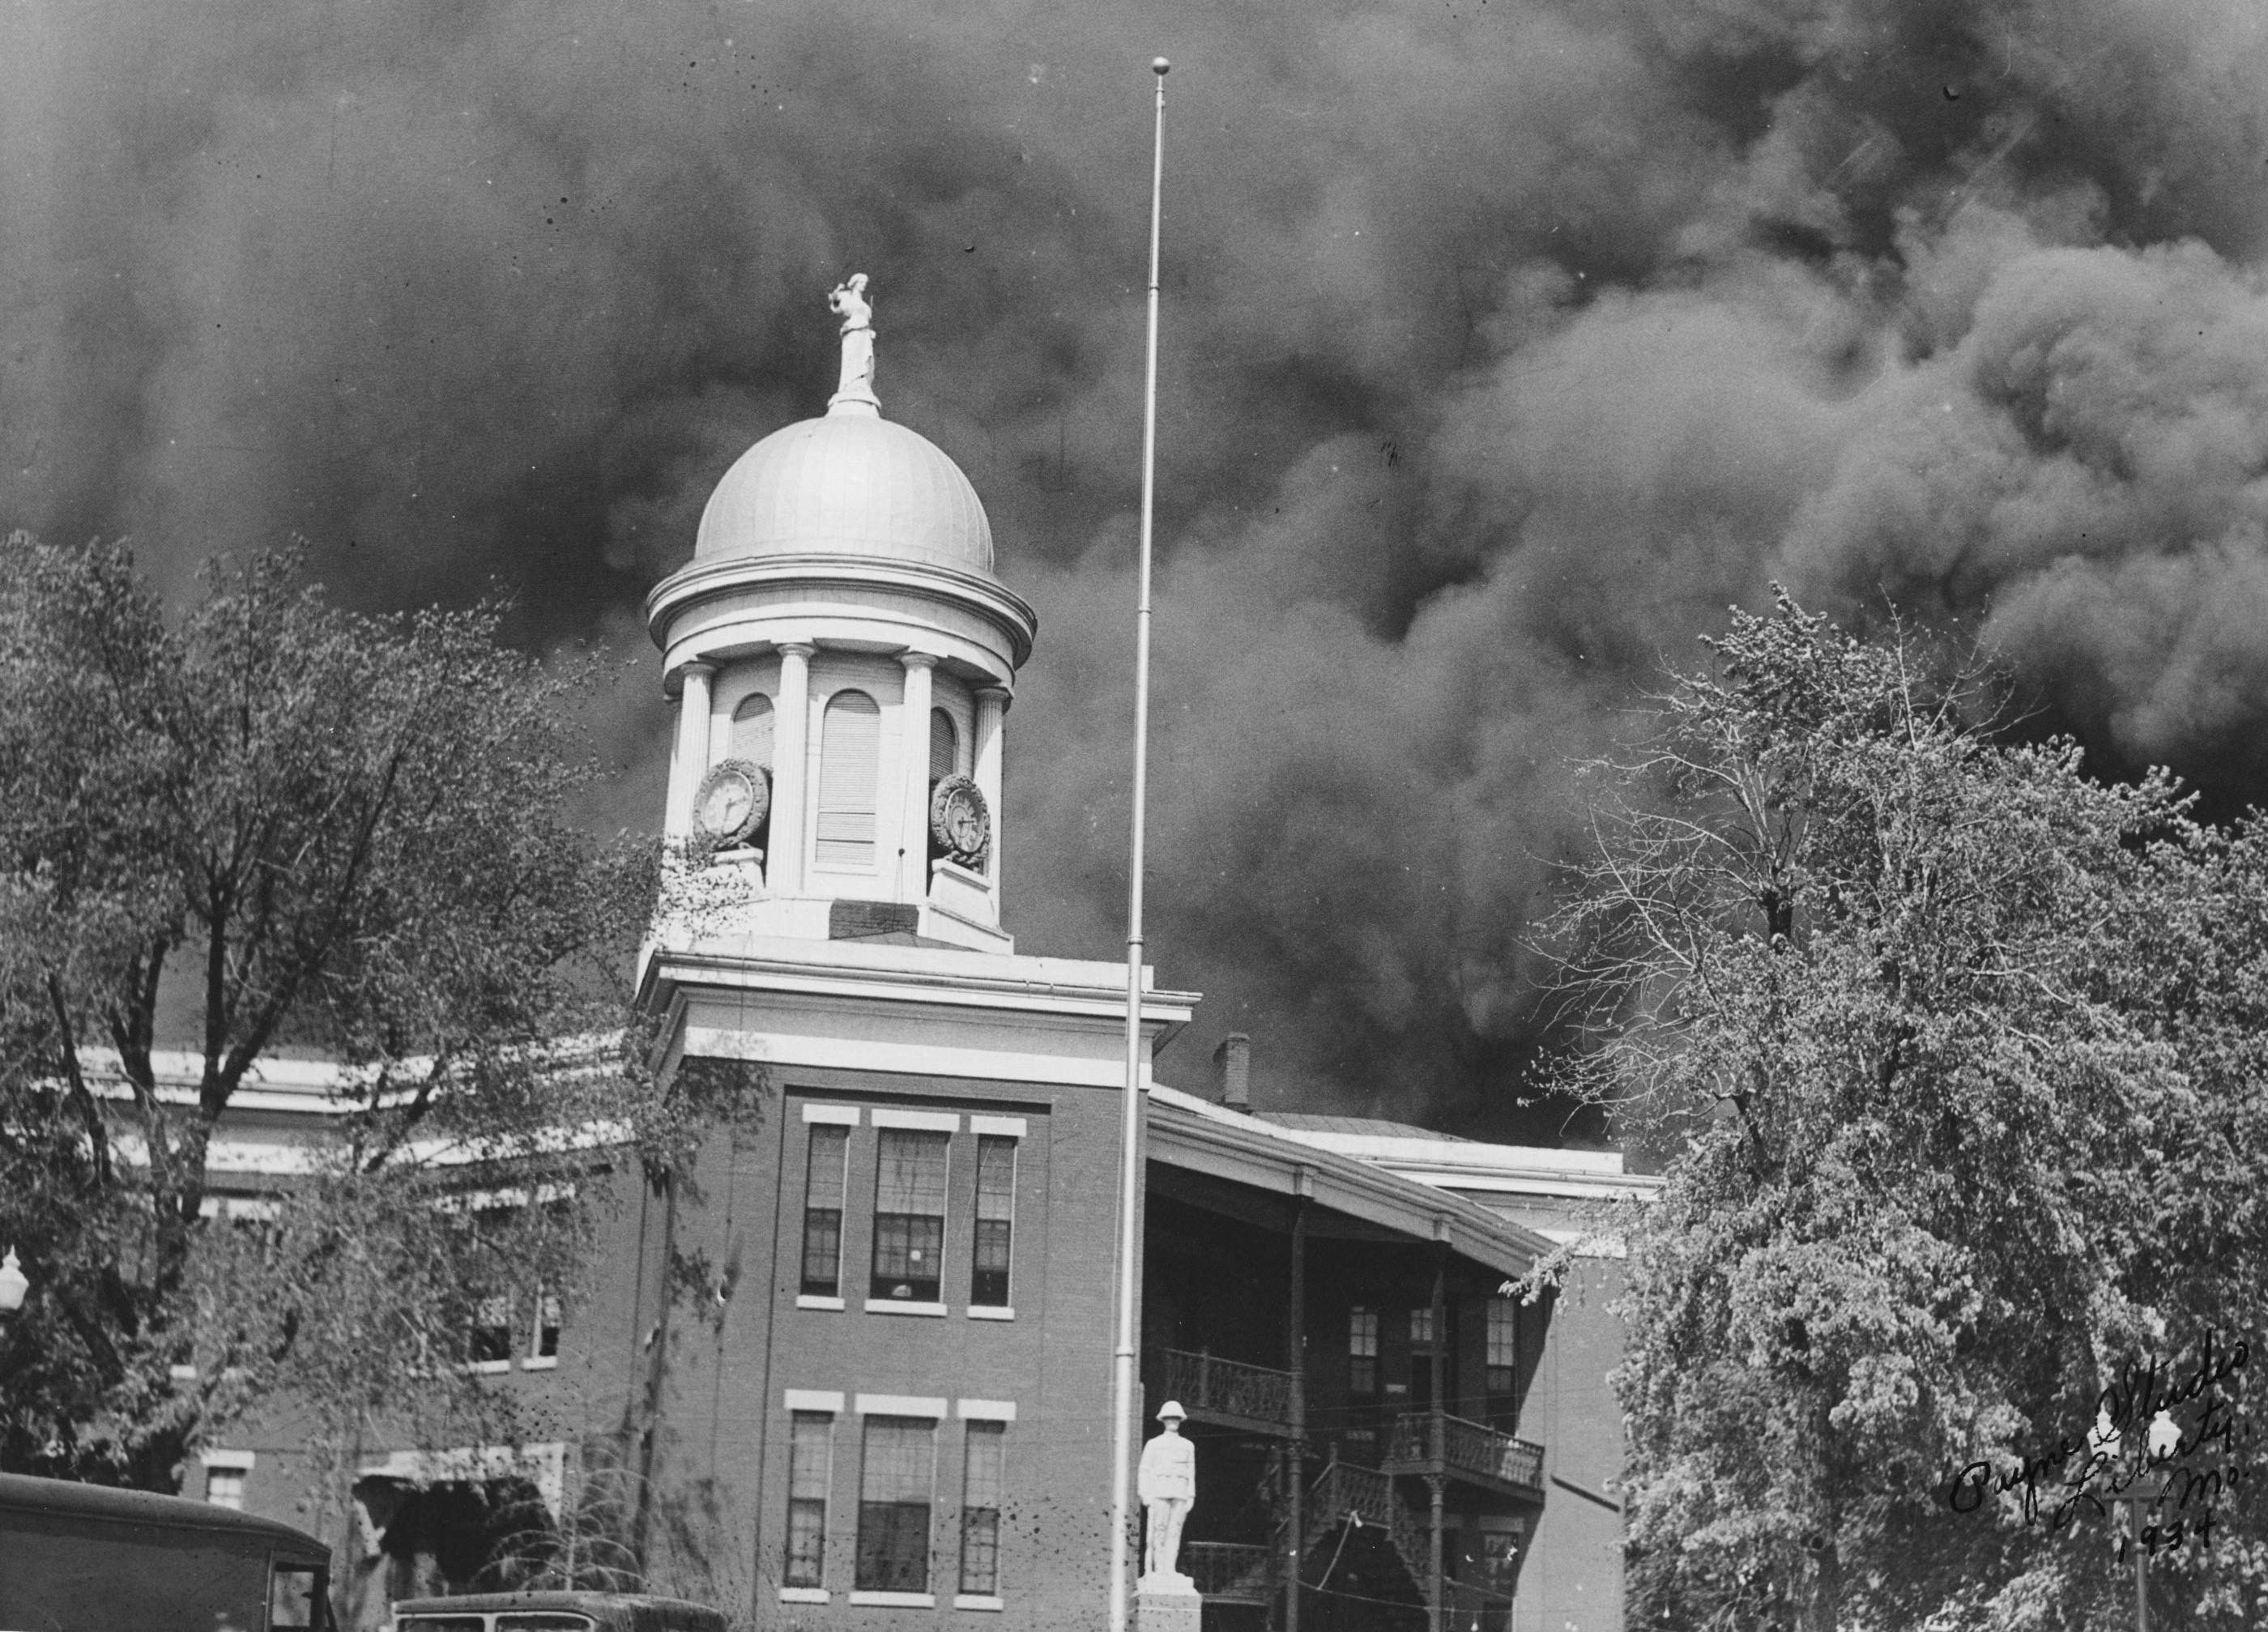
(1352, 1374)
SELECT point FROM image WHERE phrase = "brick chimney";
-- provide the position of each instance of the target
(1233, 1061)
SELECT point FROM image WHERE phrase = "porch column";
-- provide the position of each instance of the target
(1437, 1432)
(790, 769)
(913, 801)
(1296, 1339)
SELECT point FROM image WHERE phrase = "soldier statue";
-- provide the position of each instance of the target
(1167, 1484)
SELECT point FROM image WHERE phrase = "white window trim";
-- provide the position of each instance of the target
(985, 1410)
(815, 1300)
(902, 1307)
(924, 1121)
(843, 1116)
(827, 1400)
(896, 1600)
(978, 1601)
(901, 1405)
(803, 1595)
(991, 1312)
(229, 1461)
(1004, 1127)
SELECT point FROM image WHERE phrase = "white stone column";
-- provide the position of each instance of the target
(790, 770)
(913, 775)
(688, 760)
(991, 709)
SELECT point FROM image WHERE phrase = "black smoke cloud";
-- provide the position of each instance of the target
(1507, 342)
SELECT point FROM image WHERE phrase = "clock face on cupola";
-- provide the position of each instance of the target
(844, 658)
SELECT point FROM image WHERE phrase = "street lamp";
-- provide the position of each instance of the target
(2159, 1443)
(13, 1283)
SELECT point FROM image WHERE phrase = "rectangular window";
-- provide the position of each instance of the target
(1362, 1351)
(544, 1340)
(1421, 1328)
(996, 1215)
(824, 1177)
(1502, 1345)
(225, 1487)
(810, 1466)
(981, 1484)
(909, 1213)
(893, 1501)
(491, 1343)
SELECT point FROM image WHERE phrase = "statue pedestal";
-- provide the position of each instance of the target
(1168, 1604)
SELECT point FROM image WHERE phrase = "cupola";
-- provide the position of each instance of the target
(842, 659)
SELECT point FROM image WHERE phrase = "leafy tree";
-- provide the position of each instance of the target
(267, 828)
(1957, 1060)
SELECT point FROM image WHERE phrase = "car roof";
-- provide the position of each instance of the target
(103, 1505)
(486, 1603)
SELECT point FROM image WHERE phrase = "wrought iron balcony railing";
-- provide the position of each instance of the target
(1229, 1570)
(1472, 1447)
(1208, 1383)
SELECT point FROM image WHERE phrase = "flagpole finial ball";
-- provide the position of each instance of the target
(1158, 66)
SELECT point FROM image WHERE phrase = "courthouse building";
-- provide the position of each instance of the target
(893, 1407)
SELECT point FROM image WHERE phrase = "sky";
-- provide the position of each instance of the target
(1507, 344)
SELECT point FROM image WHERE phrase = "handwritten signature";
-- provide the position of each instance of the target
(2171, 1440)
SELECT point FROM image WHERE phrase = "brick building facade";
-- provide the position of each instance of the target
(892, 1406)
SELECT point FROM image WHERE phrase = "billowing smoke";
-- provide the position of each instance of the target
(1507, 342)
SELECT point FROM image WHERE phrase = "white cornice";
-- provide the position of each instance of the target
(705, 581)
(1068, 987)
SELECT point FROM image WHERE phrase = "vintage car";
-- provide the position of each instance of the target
(97, 1560)
(555, 1612)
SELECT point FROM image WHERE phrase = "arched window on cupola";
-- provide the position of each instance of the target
(752, 731)
(944, 746)
(850, 753)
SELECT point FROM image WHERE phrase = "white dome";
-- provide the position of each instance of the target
(848, 484)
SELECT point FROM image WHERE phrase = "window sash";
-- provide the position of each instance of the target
(825, 1178)
(996, 1207)
(908, 1256)
(224, 1488)
(983, 1479)
(895, 1486)
(1362, 1350)
(1362, 1333)
(910, 1175)
(811, 1448)
(1502, 1345)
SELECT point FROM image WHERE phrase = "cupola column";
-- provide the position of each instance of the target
(690, 761)
(791, 768)
(913, 802)
(992, 708)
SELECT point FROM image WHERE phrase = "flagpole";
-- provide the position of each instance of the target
(1130, 1164)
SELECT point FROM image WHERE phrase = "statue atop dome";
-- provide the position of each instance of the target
(854, 393)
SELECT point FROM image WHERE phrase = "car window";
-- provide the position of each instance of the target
(545, 1621)
(294, 1598)
(440, 1623)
